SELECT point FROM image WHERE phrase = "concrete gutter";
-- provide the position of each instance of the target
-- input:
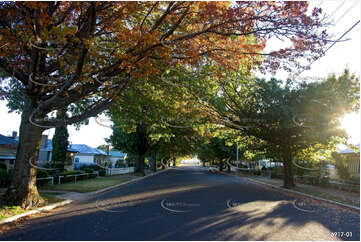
(68, 201)
(296, 192)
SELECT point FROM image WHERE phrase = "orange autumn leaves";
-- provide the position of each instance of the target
(135, 37)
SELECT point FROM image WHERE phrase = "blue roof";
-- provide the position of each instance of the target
(349, 151)
(85, 149)
(49, 147)
(6, 141)
(117, 153)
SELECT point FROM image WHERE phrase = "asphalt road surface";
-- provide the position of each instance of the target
(191, 203)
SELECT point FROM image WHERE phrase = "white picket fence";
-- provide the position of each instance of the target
(118, 171)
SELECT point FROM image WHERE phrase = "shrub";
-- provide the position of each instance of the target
(3, 166)
(298, 171)
(93, 175)
(93, 167)
(257, 172)
(5, 177)
(102, 172)
(87, 170)
(41, 173)
(121, 165)
(58, 166)
(277, 172)
(67, 173)
(341, 166)
(354, 179)
(81, 166)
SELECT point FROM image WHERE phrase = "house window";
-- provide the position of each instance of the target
(76, 159)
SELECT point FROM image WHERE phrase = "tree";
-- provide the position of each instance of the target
(83, 55)
(158, 118)
(103, 147)
(290, 119)
(217, 150)
(135, 144)
(60, 143)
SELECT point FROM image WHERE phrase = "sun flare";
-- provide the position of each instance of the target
(351, 123)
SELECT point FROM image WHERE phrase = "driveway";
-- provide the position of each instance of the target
(190, 203)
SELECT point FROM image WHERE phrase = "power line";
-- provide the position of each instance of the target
(353, 26)
(337, 8)
(319, 5)
(347, 11)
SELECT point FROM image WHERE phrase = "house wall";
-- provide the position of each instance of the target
(84, 158)
(7, 151)
(44, 156)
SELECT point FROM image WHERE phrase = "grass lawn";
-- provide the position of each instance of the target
(9, 211)
(328, 196)
(89, 185)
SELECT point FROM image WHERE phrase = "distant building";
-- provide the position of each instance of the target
(117, 158)
(88, 155)
(267, 163)
(46, 152)
(353, 159)
(8, 146)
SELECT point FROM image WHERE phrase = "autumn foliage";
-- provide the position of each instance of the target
(83, 55)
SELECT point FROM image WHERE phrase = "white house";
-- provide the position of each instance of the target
(117, 157)
(89, 155)
(267, 163)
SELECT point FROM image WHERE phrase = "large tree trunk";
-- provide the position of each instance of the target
(22, 190)
(288, 181)
(140, 164)
(220, 165)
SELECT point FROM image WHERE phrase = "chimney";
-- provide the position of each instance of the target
(44, 141)
(14, 135)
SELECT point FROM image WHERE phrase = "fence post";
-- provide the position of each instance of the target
(75, 178)
(52, 180)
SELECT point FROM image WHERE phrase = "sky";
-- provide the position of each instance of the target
(341, 55)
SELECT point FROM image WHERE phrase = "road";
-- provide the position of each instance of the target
(191, 203)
